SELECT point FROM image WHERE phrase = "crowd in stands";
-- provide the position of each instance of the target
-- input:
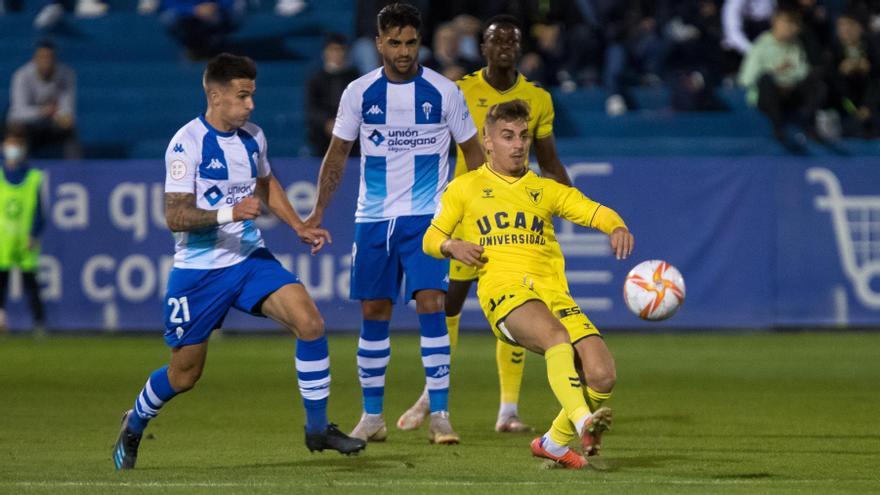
(809, 62)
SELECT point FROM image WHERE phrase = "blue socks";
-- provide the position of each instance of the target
(156, 392)
(435, 358)
(374, 352)
(313, 375)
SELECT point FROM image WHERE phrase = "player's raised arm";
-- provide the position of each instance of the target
(269, 190)
(572, 205)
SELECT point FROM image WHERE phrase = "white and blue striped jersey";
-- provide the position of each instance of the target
(221, 169)
(404, 133)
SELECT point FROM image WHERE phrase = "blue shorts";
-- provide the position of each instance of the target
(196, 301)
(385, 251)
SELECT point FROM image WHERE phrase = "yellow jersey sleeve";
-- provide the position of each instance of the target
(544, 114)
(447, 217)
(573, 206)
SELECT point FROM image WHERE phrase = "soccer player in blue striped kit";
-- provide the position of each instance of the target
(404, 115)
(217, 173)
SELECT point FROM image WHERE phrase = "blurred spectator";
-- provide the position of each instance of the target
(21, 221)
(744, 21)
(560, 41)
(634, 49)
(201, 26)
(445, 57)
(694, 64)
(816, 30)
(324, 90)
(290, 8)
(778, 77)
(42, 102)
(854, 70)
(53, 12)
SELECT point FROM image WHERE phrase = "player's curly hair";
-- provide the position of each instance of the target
(509, 111)
(399, 15)
(225, 67)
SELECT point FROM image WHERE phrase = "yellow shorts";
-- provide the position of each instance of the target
(497, 303)
(460, 272)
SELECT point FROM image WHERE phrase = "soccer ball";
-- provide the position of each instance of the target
(653, 290)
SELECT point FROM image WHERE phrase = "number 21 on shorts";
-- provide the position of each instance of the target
(179, 309)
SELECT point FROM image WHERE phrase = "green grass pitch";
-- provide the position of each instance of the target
(746, 413)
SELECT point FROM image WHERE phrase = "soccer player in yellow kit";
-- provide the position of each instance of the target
(496, 83)
(502, 215)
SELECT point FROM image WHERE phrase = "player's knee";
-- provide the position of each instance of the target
(311, 329)
(376, 310)
(184, 380)
(603, 379)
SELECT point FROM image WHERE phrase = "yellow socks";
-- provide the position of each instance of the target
(452, 323)
(511, 363)
(566, 384)
(595, 399)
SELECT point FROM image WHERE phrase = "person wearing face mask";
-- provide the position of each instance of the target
(21, 221)
(324, 90)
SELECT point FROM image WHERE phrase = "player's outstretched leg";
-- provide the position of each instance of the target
(155, 393)
(373, 356)
(511, 363)
(313, 375)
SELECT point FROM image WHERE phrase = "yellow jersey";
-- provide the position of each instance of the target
(512, 218)
(480, 96)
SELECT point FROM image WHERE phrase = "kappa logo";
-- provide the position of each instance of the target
(441, 372)
(178, 148)
(426, 107)
(215, 164)
(376, 137)
(375, 110)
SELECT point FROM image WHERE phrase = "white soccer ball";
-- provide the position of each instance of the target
(653, 290)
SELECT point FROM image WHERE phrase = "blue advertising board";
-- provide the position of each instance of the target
(761, 242)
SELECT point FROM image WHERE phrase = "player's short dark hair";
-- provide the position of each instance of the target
(225, 67)
(502, 20)
(399, 15)
(509, 111)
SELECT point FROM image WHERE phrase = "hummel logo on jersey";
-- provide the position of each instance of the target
(487, 193)
(215, 164)
(441, 372)
(426, 107)
(376, 137)
(178, 148)
(375, 110)
(482, 102)
(213, 195)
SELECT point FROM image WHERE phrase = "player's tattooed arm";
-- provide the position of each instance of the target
(182, 215)
(329, 178)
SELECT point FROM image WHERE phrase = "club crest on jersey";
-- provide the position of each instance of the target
(536, 195)
(426, 107)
